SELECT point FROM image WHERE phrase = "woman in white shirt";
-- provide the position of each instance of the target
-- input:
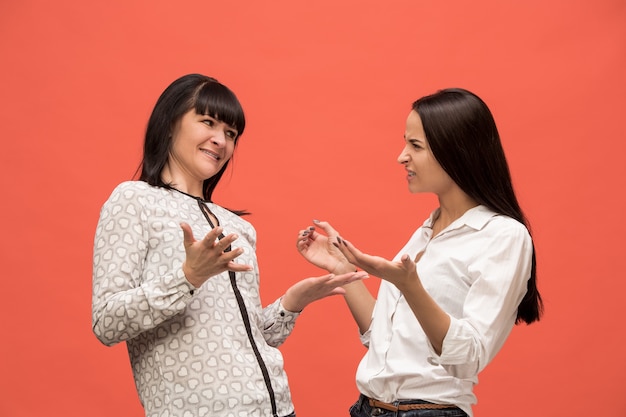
(175, 275)
(453, 293)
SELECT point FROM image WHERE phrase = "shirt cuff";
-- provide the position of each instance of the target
(284, 314)
(453, 348)
(184, 285)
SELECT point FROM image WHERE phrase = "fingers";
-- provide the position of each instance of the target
(326, 227)
(347, 249)
(211, 238)
(304, 236)
(235, 267)
(188, 238)
(335, 281)
(408, 262)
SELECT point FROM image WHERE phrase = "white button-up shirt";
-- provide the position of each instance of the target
(476, 270)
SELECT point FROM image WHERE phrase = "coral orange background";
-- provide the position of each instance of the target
(326, 86)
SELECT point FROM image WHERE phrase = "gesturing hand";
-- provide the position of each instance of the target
(308, 290)
(318, 248)
(207, 257)
(400, 274)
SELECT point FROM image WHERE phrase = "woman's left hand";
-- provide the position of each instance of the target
(312, 289)
(400, 274)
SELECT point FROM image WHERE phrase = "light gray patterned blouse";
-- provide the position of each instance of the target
(189, 349)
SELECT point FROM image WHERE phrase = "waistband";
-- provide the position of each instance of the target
(422, 405)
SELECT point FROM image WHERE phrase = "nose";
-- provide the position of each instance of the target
(219, 137)
(403, 158)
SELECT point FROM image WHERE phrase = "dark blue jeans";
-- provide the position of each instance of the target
(362, 408)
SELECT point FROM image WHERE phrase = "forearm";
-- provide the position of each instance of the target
(123, 314)
(358, 298)
(361, 304)
(434, 321)
(278, 323)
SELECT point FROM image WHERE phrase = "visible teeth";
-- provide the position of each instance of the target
(214, 155)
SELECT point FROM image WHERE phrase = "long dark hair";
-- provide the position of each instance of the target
(193, 91)
(463, 137)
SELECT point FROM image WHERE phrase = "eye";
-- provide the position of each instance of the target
(232, 134)
(209, 122)
(415, 144)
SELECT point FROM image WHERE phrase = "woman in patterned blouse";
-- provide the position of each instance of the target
(176, 277)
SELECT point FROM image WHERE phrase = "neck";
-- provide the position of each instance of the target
(452, 208)
(191, 188)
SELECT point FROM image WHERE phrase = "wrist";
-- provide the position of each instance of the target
(343, 269)
(191, 278)
(287, 302)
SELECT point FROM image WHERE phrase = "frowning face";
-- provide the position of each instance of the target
(424, 174)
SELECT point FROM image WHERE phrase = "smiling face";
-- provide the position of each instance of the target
(201, 145)
(424, 172)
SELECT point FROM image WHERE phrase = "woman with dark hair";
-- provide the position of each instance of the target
(451, 296)
(200, 342)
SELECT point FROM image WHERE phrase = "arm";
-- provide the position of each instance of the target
(279, 317)
(318, 249)
(464, 345)
(125, 303)
(433, 320)
(500, 275)
(139, 270)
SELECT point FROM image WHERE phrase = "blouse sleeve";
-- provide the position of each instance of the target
(278, 323)
(125, 301)
(490, 308)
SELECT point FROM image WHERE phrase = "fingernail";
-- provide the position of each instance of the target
(305, 233)
(316, 221)
(335, 245)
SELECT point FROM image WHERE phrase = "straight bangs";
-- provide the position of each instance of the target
(216, 100)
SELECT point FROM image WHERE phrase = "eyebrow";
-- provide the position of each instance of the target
(414, 139)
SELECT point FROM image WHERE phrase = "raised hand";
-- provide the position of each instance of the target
(207, 257)
(318, 248)
(400, 274)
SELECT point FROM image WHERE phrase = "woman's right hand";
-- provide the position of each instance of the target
(206, 258)
(318, 248)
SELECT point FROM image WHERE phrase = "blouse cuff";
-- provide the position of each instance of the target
(284, 314)
(183, 285)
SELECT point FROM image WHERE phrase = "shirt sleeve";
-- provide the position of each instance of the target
(126, 303)
(490, 308)
(278, 323)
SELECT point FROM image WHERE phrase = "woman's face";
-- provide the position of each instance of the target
(201, 145)
(424, 174)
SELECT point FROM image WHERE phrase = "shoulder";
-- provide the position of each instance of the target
(130, 191)
(507, 233)
(130, 188)
(130, 197)
(495, 226)
(505, 225)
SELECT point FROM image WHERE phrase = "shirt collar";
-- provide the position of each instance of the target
(476, 218)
